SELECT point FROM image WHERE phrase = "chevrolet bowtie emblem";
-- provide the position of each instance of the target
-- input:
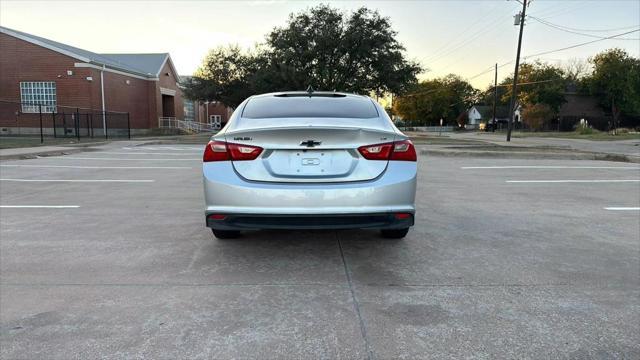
(310, 143)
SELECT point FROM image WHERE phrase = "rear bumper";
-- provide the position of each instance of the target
(330, 221)
(364, 204)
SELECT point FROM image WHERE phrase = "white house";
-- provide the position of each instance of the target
(483, 114)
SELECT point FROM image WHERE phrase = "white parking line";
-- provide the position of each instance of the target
(623, 208)
(98, 167)
(165, 148)
(573, 181)
(551, 167)
(79, 180)
(122, 159)
(148, 153)
(39, 206)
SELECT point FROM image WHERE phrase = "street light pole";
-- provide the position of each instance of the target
(495, 98)
(514, 89)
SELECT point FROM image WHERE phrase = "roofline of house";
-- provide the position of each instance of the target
(111, 70)
(173, 69)
(10, 32)
(98, 65)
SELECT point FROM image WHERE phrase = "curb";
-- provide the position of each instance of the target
(168, 142)
(35, 155)
(533, 155)
(85, 145)
(157, 142)
(68, 149)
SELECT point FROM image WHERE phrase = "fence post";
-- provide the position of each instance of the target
(53, 115)
(41, 133)
(77, 124)
(106, 126)
(128, 126)
(91, 123)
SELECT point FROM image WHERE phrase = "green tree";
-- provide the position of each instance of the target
(616, 82)
(462, 95)
(322, 47)
(431, 100)
(547, 85)
(487, 97)
(331, 50)
(227, 74)
(535, 115)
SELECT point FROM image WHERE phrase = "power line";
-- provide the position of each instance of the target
(559, 11)
(558, 27)
(450, 64)
(459, 35)
(594, 30)
(488, 70)
(582, 44)
(556, 50)
(529, 83)
(489, 26)
(424, 92)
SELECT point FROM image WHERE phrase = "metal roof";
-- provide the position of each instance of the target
(146, 65)
(149, 63)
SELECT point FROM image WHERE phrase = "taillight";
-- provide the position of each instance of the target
(223, 151)
(399, 150)
(404, 151)
(376, 152)
(216, 151)
(243, 152)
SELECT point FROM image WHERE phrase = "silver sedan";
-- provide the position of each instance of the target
(309, 160)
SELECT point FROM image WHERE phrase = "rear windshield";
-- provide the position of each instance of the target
(304, 106)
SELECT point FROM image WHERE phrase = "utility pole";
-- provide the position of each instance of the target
(514, 90)
(495, 98)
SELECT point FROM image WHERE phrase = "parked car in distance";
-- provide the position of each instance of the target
(309, 160)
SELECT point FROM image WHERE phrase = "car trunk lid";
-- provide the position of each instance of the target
(310, 153)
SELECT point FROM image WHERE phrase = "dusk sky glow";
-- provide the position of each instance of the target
(462, 37)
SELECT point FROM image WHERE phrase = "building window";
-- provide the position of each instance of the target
(34, 93)
(189, 110)
(215, 119)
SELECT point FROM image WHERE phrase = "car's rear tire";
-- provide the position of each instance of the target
(394, 233)
(225, 234)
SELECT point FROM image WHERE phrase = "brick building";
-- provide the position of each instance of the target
(211, 112)
(35, 70)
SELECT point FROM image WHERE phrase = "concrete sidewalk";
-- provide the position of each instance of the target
(629, 148)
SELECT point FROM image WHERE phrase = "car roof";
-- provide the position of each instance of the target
(291, 104)
(306, 93)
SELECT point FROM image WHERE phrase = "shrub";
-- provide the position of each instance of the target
(584, 130)
(534, 116)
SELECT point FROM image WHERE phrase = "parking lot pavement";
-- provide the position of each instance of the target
(496, 266)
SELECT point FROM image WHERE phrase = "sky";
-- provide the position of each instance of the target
(465, 37)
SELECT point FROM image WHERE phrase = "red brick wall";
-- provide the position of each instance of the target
(215, 108)
(132, 97)
(23, 61)
(218, 108)
(168, 80)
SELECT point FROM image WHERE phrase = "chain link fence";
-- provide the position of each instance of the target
(20, 119)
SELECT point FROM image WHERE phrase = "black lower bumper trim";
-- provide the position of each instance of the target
(337, 221)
